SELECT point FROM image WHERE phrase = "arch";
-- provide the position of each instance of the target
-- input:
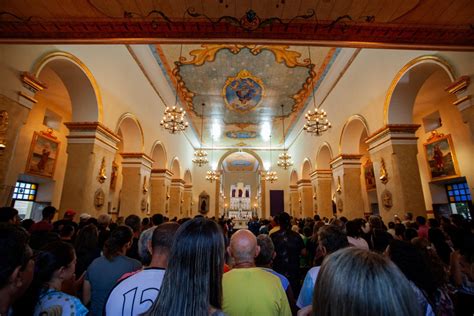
(188, 177)
(159, 156)
(306, 169)
(324, 156)
(80, 83)
(400, 97)
(293, 177)
(176, 168)
(351, 134)
(130, 130)
(251, 152)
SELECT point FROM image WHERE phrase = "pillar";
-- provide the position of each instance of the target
(188, 199)
(263, 197)
(176, 198)
(136, 170)
(294, 201)
(322, 181)
(160, 180)
(91, 151)
(346, 175)
(305, 191)
(401, 190)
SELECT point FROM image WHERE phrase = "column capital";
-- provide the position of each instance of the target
(346, 161)
(321, 174)
(303, 183)
(31, 85)
(161, 173)
(178, 182)
(459, 89)
(293, 187)
(393, 134)
(136, 160)
(92, 133)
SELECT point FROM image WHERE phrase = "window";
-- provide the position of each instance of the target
(458, 193)
(25, 191)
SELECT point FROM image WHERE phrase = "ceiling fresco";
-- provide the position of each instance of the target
(240, 162)
(244, 86)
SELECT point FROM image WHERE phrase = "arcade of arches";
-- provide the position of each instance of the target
(81, 123)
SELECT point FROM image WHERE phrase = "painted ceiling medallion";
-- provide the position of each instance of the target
(243, 93)
(241, 134)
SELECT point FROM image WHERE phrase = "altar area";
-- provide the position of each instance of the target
(240, 207)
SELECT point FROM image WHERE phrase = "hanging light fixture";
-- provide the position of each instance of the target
(316, 121)
(284, 159)
(200, 155)
(173, 118)
(270, 175)
(212, 175)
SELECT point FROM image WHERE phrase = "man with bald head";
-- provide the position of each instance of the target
(248, 290)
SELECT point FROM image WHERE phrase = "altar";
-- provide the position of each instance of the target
(240, 214)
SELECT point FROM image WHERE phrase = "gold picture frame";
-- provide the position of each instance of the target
(43, 154)
(440, 157)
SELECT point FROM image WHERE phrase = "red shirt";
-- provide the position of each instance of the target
(41, 226)
(423, 231)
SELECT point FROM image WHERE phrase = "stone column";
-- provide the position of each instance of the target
(305, 191)
(263, 197)
(136, 170)
(322, 180)
(188, 199)
(160, 182)
(399, 191)
(91, 151)
(346, 174)
(176, 198)
(294, 203)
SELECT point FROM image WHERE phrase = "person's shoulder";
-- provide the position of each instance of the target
(131, 261)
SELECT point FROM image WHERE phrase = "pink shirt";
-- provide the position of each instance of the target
(423, 231)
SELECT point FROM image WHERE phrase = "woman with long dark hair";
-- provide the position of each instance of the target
(104, 271)
(55, 264)
(87, 247)
(192, 284)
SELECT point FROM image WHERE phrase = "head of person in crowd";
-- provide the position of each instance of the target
(160, 244)
(87, 239)
(353, 229)
(408, 216)
(69, 215)
(266, 253)
(27, 223)
(376, 278)
(67, 232)
(375, 222)
(9, 215)
(331, 238)
(55, 264)
(119, 242)
(192, 284)
(83, 218)
(413, 265)
(146, 223)
(400, 231)
(243, 248)
(133, 221)
(16, 265)
(48, 213)
(103, 221)
(284, 220)
(409, 234)
(157, 219)
(421, 221)
(144, 242)
(433, 223)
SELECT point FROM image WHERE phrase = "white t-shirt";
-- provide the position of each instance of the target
(136, 294)
(306, 294)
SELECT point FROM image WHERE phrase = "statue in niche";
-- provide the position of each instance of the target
(143, 204)
(99, 199)
(387, 200)
(203, 203)
(203, 207)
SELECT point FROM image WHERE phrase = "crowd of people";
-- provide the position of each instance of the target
(202, 266)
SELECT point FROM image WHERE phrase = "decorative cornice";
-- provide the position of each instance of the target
(459, 85)
(346, 157)
(162, 171)
(188, 186)
(293, 187)
(392, 129)
(303, 181)
(321, 174)
(178, 181)
(32, 83)
(92, 126)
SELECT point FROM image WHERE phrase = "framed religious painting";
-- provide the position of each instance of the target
(43, 154)
(369, 175)
(440, 157)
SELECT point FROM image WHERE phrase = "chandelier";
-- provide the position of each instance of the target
(200, 156)
(212, 175)
(316, 121)
(270, 175)
(284, 159)
(173, 118)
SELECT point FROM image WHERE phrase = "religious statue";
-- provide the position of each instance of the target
(383, 172)
(339, 188)
(102, 177)
(387, 201)
(145, 185)
(113, 176)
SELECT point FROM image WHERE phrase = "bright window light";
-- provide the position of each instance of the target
(265, 131)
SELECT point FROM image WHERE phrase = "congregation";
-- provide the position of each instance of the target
(203, 266)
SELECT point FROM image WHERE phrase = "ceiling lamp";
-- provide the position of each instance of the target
(316, 121)
(200, 156)
(173, 118)
(284, 159)
(271, 176)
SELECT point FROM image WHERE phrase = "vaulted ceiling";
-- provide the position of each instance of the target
(243, 87)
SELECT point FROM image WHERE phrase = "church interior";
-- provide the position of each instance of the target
(237, 109)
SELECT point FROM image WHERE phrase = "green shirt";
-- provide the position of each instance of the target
(253, 291)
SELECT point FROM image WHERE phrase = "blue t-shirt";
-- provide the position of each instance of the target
(102, 274)
(53, 302)
(283, 279)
